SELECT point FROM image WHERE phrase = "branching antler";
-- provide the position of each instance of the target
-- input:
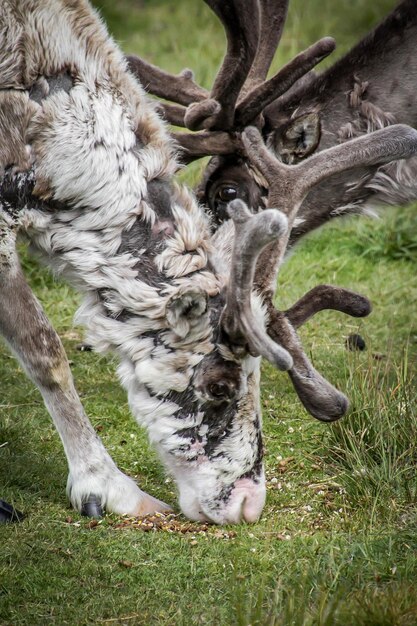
(240, 91)
(288, 186)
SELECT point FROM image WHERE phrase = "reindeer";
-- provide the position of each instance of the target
(87, 170)
(299, 112)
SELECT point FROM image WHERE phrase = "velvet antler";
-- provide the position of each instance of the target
(181, 88)
(260, 97)
(288, 186)
(252, 234)
(273, 14)
(240, 90)
(240, 19)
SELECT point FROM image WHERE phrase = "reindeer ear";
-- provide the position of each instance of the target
(297, 139)
(184, 306)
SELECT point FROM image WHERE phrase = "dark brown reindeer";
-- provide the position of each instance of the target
(86, 174)
(371, 87)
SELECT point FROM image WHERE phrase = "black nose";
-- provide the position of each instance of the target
(222, 390)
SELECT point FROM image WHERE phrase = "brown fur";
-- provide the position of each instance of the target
(13, 129)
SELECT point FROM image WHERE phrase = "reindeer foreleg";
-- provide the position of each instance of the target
(94, 482)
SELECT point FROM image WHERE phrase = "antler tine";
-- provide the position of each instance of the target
(273, 14)
(252, 234)
(196, 145)
(240, 19)
(319, 397)
(380, 147)
(296, 92)
(260, 97)
(173, 113)
(181, 88)
(324, 297)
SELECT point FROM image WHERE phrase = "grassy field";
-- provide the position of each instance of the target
(337, 543)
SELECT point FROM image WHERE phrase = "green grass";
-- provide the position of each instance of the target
(398, 240)
(336, 544)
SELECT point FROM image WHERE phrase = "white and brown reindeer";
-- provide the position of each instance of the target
(87, 171)
(371, 87)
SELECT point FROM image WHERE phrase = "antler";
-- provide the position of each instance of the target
(181, 88)
(272, 20)
(288, 186)
(240, 91)
(252, 234)
(255, 102)
(240, 19)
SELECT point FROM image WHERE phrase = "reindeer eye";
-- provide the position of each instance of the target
(227, 193)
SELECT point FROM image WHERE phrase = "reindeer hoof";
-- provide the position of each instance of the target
(9, 514)
(84, 347)
(92, 507)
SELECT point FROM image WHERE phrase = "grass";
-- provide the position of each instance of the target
(397, 241)
(336, 544)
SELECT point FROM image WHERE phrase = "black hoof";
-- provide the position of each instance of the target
(355, 342)
(84, 347)
(9, 514)
(92, 507)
